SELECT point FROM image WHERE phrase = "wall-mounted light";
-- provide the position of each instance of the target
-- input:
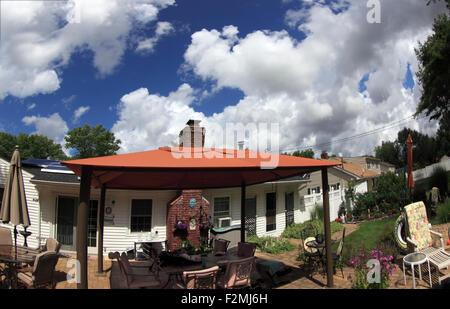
(113, 202)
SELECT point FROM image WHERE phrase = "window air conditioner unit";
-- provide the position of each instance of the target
(223, 222)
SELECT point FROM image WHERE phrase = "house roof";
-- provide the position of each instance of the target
(355, 169)
(190, 168)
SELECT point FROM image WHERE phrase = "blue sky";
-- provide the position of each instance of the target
(317, 68)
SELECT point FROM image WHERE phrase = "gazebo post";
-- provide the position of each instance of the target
(82, 226)
(326, 223)
(100, 228)
(243, 212)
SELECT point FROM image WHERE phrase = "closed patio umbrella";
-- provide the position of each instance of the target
(14, 204)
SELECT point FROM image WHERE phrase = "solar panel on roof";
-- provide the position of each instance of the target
(57, 168)
(39, 162)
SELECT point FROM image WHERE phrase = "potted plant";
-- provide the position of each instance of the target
(180, 226)
(206, 226)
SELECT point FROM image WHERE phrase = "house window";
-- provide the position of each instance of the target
(221, 211)
(334, 187)
(271, 211)
(315, 190)
(141, 215)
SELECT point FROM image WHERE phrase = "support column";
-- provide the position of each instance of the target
(82, 226)
(243, 212)
(100, 228)
(326, 222)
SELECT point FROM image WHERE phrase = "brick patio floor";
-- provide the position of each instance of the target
(296, 279)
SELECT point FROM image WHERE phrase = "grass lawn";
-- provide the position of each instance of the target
(369, 235)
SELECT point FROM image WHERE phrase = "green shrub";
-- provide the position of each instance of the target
(317, 212)
(272, 245)
(364, 202)
(391, 192)
(443, 212)
(439, 179)
(295, 230)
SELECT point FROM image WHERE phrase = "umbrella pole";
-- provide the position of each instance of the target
(15, 239)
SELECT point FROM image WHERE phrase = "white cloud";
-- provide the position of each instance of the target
(53, 126)
(31, 106)
(80, 111)
(147, 45)
(309, 87)
(147, 121)
(37, 38)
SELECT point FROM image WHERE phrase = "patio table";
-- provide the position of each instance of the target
(220, 260)
(413, 259)
(13, 256)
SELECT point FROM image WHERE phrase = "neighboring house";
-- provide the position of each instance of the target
(339, 180)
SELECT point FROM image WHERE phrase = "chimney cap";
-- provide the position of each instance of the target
(192, 122)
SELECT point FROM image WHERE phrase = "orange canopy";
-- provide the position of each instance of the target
(192, 168)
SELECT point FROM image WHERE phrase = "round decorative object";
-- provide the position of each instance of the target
(108, 210)
(192, 202)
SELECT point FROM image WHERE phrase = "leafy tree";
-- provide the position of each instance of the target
(7, 143)
(388, 152)
(92, 142)
(424, 148)
(434, 70)
(30, 146)
(443, 136)
(309, 153)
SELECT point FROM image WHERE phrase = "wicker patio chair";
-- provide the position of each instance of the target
(42, 273)
(420, 237)
(246, 249)
(201, 279)
(337, 257)
(237, 274)
(220, 246)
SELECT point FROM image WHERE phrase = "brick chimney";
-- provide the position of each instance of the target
(324, 155)
(192, 135)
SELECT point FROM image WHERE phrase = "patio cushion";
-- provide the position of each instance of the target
(220, 245)
(309, 249)
(26, 277)
(419, 229)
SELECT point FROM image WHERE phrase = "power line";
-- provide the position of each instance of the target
(350, 138)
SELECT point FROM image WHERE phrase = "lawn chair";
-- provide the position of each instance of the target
(138, 276)
(246, 249)
(237, 274)
(201, 279)
(420, 237)
(220, 246)
(5, 236)
(43, 270)
(51, 244)
(337, 257)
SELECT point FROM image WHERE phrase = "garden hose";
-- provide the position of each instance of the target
(400, 233)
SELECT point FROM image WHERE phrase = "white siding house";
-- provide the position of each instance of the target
(52, 202)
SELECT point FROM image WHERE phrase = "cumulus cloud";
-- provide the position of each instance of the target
(147, 45)
(147, 121)
(38, 37)
(80, 111)
(309, 86)
(53, 126)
